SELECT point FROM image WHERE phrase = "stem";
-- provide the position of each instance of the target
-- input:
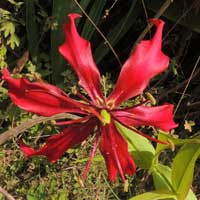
(112, 191)
(188, 82)
(92, 154)
(180, 85)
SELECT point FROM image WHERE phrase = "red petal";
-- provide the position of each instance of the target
(39, 97)
(57, 144)
(158, 116)
(77, 51)
(145, 62)
(115, 152)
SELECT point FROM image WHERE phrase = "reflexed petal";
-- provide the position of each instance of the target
(115, 152)
(158, 116)
(144, 63)
(57, 144)
(77, 51)
(39, 97)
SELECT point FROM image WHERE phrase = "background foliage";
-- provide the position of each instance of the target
(30, 33)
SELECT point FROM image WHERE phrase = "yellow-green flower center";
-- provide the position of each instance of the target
(106, 116)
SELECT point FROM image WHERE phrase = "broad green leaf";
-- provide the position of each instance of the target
(183, 168)
(32, 28)
(95, 14)
(60, 11)
(155, 195)
(162, 177)
(162, 180)
(191, 196)
(140, 148)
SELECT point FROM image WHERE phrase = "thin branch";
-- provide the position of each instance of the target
(192, 114)
(31, 122)
(162, 9)
(192, 105)
(6, 194)
(147, 17)
(188, 82)
(178, 21)
(180, 85)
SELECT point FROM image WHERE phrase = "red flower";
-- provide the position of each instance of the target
(98, 113)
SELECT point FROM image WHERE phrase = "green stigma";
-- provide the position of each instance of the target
(106, 116)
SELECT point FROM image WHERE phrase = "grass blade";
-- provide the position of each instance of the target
(32, 29)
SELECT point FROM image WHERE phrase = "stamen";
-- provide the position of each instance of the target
(127, 108)
(91, 156)
(140, 133)
(94, 112)
(110, 104)
(100, 101)
(83, 98)
(73, 121)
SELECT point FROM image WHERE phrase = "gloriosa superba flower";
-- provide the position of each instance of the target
(97, 113)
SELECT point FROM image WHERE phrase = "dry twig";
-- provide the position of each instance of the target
(162, 9)
(6, 194)
(188, 82)
(31, 122)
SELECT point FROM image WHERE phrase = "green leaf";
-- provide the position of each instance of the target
(38, 193)
(97, 158)
(17, 4)
(155, 195)
(140, 148)
(95, 14)
(8, 28)
(191, 196)
(32, 28)
(60, 11)
(4, 13)
(162, 177)
(183, 168)
(162, 180)
(13, 41)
